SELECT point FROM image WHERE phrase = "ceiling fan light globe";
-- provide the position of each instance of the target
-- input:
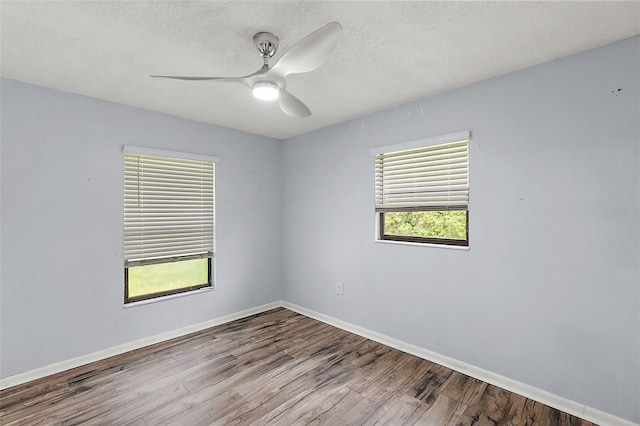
(266, 91)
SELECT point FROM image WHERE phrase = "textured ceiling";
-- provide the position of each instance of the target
(390, 53)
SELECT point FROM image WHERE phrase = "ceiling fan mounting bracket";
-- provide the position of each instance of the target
(266, 43)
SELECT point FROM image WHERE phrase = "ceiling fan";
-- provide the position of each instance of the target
(269, 82)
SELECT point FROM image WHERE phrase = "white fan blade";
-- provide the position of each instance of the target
(311, 52)
(245, 79)
(292, 106)
(179, 77)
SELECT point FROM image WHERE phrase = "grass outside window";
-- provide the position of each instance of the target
(162, 279)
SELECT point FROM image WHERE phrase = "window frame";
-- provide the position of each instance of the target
(158, 294)
(380, 211)
(209, 255)
(382, 236)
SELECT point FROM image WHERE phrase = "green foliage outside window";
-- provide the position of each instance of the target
(162, 277)
(434, 224)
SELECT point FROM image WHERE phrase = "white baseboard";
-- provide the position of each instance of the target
(531, 392)
(58, 367)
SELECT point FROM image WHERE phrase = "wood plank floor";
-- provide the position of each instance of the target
(277, 368)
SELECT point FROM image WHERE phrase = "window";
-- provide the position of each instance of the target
(422, 190)
(168, 222)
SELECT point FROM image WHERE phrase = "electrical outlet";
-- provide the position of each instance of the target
(339, 289)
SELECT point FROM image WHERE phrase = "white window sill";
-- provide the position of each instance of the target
(170, 297)
(407, 243)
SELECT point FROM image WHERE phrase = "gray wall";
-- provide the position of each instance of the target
(62, 214)
(548, 293)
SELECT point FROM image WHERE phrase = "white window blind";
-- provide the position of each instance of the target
(434, 177)
(168, 209)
